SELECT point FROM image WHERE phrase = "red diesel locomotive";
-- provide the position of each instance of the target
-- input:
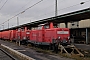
(48, 35)
(42, 35)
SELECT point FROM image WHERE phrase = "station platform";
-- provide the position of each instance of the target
(83, 46)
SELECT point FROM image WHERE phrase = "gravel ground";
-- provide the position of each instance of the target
(33, 53)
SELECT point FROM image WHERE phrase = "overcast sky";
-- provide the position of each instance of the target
(44, 9)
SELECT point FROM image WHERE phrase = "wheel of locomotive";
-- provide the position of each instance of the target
(50, 47)
(55, 47)
(26, 42)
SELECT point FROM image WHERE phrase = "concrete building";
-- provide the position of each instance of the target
(80, 29)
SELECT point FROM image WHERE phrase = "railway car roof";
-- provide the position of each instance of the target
(73, 16)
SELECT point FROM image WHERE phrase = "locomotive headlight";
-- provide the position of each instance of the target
(61, 40)
(69, 41)
(59, 37)
(68, 37)
(66, 41)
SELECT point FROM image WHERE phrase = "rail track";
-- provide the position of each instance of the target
(5, 55)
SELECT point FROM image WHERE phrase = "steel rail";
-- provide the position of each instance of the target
(9, 55)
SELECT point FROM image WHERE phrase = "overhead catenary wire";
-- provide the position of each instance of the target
(36, 4)
(0, 1)
(66, 7)
(59, 10)
(24, 5)
(23, 11)
(3, 4)
(32, 6)
(19, 9)
(54, 4)
(51, 5)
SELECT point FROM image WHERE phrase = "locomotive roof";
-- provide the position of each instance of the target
(73, 16)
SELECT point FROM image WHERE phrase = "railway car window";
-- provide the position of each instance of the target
(46, 27)
(55, 27)
(35, 28)
(40, 27)
(32, 28)
(22, 29)
(18, 29)
(27, 32)
(28, 28)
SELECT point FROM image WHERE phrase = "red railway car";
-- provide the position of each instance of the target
(22, 35)
(0, 34)
(27, 34)
(18, 34)
(6, 35)
(36, 36)
(40, 37)
(33, 36)
(48, 35)
(43, 35)
(57, 34)
(12, 35)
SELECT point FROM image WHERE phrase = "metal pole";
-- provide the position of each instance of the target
(30, 21)
(18, 25)
(3, 26)
(55, 7)
(17, 21)
(8, 23)
(66, 25)
(86, 35)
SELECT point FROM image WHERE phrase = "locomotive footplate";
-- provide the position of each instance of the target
(69, 50)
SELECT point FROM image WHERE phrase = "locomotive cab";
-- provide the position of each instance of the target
(63, 36)
(55, 35)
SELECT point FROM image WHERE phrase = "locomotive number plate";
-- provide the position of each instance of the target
(62, 32)
(27, 32)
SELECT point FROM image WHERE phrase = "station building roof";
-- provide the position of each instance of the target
(73, 16)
